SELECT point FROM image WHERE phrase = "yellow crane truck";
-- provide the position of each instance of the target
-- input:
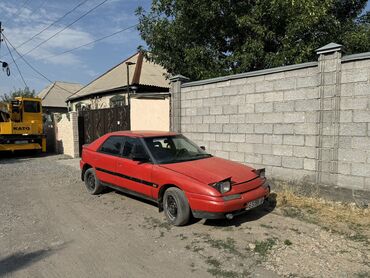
(21, 125)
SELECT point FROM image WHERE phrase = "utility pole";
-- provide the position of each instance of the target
(1, 33)
(128, 64)
(4, 65)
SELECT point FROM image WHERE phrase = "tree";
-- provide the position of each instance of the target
(26, 92)
(209, 38)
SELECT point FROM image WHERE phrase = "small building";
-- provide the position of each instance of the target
(136, 76)
(54, 96)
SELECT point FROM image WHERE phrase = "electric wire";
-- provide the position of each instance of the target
(89, 43)
(53, 23)
(20, 73)
(21, 8)
(32, 67)
(39, 7)
(76, 20)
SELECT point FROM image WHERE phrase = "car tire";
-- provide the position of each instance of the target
(176, 206)
(92, 184)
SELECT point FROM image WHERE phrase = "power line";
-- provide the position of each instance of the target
(79, 18)
(33, 68)
(21, 8)
(39, 7)
(52, 24)
(15, 62)
(89, 43)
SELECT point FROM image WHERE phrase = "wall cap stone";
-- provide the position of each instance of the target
(250, 74)
(179, 77)
(331, 47)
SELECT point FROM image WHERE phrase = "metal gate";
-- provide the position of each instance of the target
(95, 123)
(49, 131)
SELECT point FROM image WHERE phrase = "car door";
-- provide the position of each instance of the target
(105, 160)
(134, 175)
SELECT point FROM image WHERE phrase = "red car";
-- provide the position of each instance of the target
(174, 172)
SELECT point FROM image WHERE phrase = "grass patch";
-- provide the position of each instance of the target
(295, 230)
(156, 223)
(195, 248)
(359, 238)
(222, 273)
(327, 214)
(363, 274)
(287, 242)
(264, 246)
(228, 245)
(182, 237)
(213, 262)
(266, 226)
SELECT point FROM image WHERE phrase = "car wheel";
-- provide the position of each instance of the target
(176, 206)
(92, 183)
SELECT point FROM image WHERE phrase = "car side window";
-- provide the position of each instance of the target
(112, 145)
(132, 147)
(183, 144)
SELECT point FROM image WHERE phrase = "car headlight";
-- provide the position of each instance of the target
(222, 186)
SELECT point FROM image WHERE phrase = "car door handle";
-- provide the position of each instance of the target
(120, 164)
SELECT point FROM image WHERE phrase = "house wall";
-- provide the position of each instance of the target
(146, 114)
(150, 114)
(95, 102)
(66, 134)
(307, 123)
(48, 109)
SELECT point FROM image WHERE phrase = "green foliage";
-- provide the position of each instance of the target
(264, 246)
(208, 38)
(26, 92)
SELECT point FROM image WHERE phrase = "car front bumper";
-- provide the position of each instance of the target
(217, 207)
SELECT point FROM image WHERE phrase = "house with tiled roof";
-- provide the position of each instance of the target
(135, 76)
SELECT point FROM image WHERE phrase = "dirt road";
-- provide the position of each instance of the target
(51, 227)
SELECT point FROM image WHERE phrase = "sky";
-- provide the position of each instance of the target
(21, 19)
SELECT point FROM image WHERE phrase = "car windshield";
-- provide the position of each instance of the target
(172, 149)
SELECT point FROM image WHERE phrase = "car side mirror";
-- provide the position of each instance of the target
(203, 148)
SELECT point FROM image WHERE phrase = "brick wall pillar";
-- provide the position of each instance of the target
(75, 140)
(175, 107)
(328, 114)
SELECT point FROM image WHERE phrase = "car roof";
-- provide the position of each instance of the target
(142, 133)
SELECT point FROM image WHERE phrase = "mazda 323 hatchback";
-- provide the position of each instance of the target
(166, 167)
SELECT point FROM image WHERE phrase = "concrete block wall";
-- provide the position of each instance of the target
(267, 121)
(66, 134)
(307, 122)
(354, 132)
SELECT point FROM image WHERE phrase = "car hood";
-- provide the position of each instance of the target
(213, 169)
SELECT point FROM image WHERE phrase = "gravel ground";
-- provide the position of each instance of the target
(51, 227)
